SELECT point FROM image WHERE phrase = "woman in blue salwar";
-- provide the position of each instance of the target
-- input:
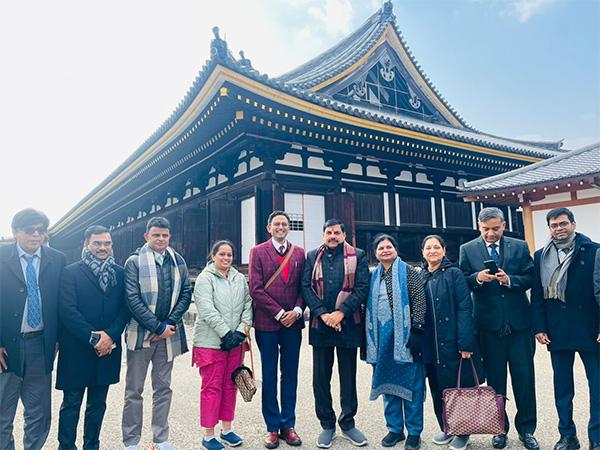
(395, 319)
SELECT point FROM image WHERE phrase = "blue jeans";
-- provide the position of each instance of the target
(400, 412)
(282, 345)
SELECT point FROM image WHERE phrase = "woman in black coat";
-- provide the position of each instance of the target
(449, 330)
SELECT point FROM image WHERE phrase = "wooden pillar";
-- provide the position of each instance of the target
(265, 203)
(437, 179)
(528, 225)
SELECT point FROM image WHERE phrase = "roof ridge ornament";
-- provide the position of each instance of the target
(387, 10)
(218, 46)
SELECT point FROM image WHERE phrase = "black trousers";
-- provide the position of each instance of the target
(69, 417)
(322, 371)
(436, 393)
(514, 351)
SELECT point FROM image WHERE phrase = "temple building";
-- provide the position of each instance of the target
(570, 180)
(359, 133)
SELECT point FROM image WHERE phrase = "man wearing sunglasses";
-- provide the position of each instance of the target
(30, 274)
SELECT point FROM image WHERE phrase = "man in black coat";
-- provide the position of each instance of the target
(29, 283)
(565, 302)
(503, 317)
(335, 284)
(93, 314)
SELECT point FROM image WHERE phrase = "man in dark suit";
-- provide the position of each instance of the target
(275, 274)
(565, 301)
(502, 316)
(93, 314)
(29, 283)
(335, 284)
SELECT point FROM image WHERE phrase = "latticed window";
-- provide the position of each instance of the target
(296, 222)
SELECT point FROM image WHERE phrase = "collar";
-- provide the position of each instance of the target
(22, 252)
(277, 244)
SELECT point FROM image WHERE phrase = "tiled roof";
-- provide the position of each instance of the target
(574, 164)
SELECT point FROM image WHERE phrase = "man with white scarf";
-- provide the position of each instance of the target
(158, 294)
(565, 302)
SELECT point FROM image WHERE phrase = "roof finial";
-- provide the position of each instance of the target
(387, 9)
(218, 47)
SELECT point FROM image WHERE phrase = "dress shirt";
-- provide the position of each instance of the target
(159, 257)
(25, 328)
(297, 310)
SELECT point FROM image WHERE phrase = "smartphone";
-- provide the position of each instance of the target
(94, 339)
(491, 265)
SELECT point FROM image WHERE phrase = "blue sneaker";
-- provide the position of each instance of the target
(212, 444)
(231, 439)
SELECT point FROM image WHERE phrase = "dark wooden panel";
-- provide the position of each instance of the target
(195, 234)
(340, 205)
(368, 206)
(415, 210)
(458, 214)
(224, 219)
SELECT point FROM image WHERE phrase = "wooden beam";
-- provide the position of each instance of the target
(528, 224)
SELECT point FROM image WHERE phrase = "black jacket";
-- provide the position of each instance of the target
(498, 306)
(13, 292)
(83, 308)
(138, 308)
(575, 324)
(450, 326)
(352, 334)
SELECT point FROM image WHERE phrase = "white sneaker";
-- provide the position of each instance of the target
(164, 446)
(442, 438)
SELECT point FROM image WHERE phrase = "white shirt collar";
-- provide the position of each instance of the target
(22, 252)
(277, 244)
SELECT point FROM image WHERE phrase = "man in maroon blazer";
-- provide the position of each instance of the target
(278, 320)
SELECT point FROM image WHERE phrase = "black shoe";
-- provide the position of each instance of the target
(567, 443)
(392, 439)
(499, 441)
(529, 441)
(412, 443)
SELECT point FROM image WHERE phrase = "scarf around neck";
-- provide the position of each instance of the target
(318, 285)
(103, 269)
(554, 273)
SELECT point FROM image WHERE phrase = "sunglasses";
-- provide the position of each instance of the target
(32, 229)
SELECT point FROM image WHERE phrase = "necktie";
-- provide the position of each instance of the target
(34, 310)
(281, 250)
(494, 253)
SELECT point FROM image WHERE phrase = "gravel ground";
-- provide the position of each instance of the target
(186, 434)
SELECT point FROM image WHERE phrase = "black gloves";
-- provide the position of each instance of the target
(415, 341)
(232, 339)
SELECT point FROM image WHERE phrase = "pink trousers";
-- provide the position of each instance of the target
(218, 392)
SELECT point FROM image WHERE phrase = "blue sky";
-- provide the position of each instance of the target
(85, 83)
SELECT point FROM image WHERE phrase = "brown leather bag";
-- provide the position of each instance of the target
(474, 410)
(243, 377)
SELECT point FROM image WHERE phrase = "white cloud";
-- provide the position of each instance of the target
(335, 16)
(524, 10)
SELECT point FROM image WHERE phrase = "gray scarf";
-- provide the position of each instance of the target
(103, 269)
(553, 273)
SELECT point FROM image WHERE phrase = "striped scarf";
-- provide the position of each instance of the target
(137, 337)
(318, 285)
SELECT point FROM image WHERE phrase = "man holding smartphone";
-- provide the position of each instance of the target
(502, 316)
(93, 314)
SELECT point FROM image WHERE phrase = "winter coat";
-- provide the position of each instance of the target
(450, 325)
(222, 304)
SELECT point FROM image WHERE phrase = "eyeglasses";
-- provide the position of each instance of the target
(101, 243)
(32, 229)
(555, 226)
